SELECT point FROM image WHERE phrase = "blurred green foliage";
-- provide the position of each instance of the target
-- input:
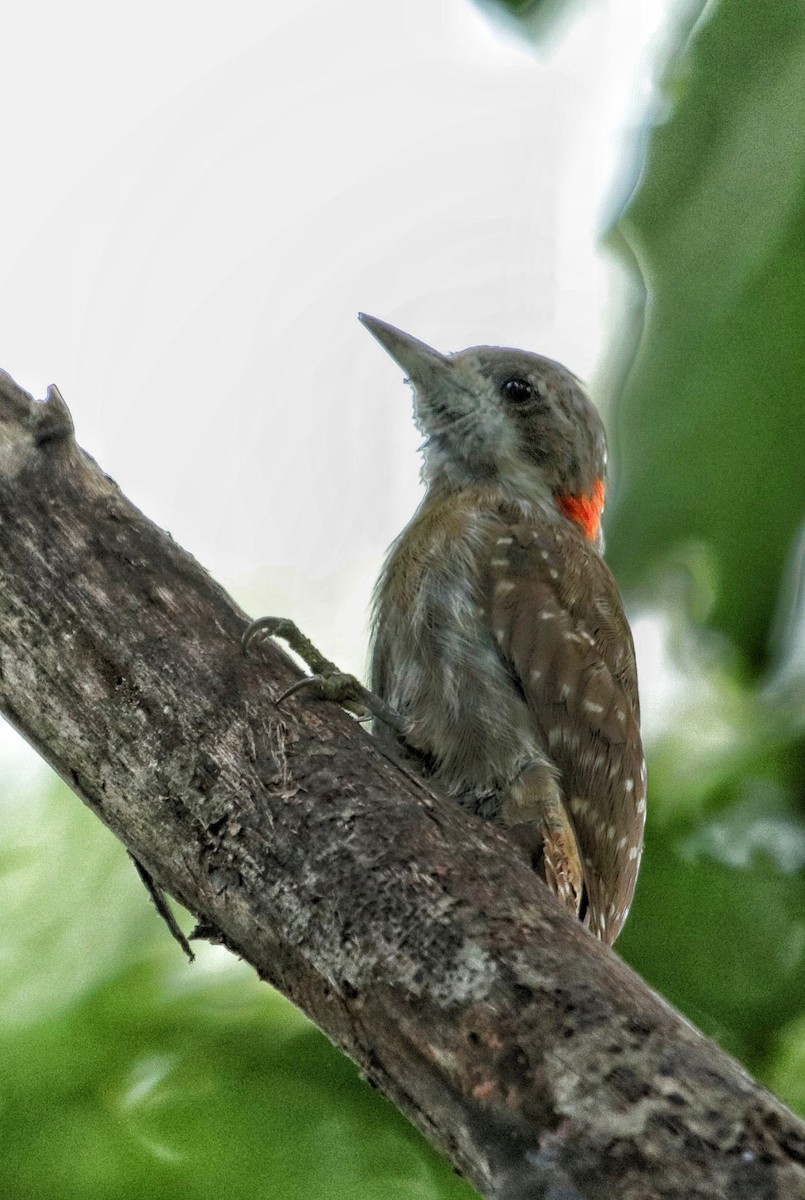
(534, 17)
(711, 427)
(126, 1072)
(520, 7)
(710, 441)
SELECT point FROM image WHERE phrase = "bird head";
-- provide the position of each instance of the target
(505, 418)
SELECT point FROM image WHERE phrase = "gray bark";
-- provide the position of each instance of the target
(529, 1053)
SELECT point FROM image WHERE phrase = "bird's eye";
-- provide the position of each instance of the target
(517, 391)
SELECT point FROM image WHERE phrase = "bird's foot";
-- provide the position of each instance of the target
(326, 681)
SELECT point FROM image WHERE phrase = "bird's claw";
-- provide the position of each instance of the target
(326, 681)
(336, 686)
(271, 627)
(264, 627)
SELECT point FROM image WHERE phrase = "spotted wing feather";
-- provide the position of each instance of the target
(561, 629)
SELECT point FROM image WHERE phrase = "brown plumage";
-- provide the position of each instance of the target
(499, 633)
(567, 643)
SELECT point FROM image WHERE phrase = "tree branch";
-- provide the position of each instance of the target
(530, 1054)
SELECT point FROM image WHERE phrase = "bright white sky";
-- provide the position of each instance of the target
(199, 198)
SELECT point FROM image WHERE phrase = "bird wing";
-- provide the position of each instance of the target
(559, 623)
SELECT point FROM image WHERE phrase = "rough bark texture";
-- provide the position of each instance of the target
(529, 1053)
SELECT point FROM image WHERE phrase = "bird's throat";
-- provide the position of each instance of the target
(585, 510)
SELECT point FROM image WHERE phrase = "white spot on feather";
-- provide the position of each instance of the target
(592, 707)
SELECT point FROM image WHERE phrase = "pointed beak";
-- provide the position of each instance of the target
(424, 366)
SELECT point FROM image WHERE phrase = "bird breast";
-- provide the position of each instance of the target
(435, 658)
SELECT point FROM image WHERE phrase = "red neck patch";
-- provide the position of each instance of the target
(585, 510)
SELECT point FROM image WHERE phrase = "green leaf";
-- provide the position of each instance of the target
(711, 426)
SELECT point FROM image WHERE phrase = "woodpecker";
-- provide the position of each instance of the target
(499, 635)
